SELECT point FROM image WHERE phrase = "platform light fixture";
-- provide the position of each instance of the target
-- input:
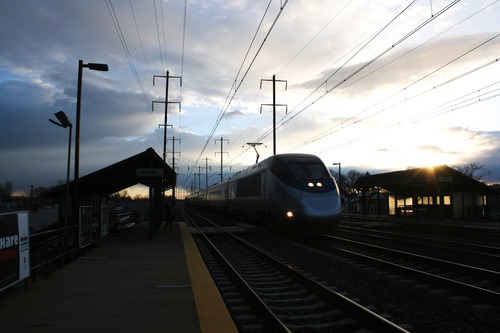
(65, 123)
(81, 66)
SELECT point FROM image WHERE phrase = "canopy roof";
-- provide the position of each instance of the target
(146, 168)
(407, 181)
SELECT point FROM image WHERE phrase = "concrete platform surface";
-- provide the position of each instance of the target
(128, 284)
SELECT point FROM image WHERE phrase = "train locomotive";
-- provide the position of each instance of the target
(296, 190)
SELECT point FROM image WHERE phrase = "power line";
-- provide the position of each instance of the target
(224, 110)
(315, 36)
(163, 32)
(140, 39)
(444, 108)
(406, 99)
(119, 31)
(393, 45)
(121, 37)
(158, 34)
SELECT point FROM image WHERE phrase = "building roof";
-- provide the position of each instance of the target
(123, 174)
(407, 181)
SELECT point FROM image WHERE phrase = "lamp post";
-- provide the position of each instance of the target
(340, 181)
(94, 67)
(64, 123)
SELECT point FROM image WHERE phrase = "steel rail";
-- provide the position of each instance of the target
(275, 322)
(474, 291)
(487, 252)
(370, 318)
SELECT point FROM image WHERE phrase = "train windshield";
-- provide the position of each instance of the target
(299, 168)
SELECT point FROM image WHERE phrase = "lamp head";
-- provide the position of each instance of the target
(98, 67)
(63, 119)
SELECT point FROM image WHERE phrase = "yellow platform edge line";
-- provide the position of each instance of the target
(212, 311)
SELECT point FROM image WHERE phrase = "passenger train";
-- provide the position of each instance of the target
(296, 190)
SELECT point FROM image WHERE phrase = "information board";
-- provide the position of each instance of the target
(14, 248)
(85, 226)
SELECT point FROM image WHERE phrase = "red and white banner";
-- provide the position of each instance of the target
(14, 248)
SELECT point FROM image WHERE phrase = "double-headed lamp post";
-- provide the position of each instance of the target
(64, 123)
(94, 67)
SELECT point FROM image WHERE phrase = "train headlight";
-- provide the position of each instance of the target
(289, 214)
(310, 184)
(318, 184)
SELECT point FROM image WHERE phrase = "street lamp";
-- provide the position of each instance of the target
(64, 123)
(340, 181)
(94, 67)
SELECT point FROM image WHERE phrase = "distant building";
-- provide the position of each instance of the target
(494, 203)
(436, 192)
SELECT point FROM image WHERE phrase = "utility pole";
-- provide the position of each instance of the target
(173, 164)
(274, 105)
(222, 152)
(166, 102)
(206, 171)
(199, 177)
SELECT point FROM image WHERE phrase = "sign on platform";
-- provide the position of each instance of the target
(443, 179)
(149, 172)
(85, 226)
(14, 248)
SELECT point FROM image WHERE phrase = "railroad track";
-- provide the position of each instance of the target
(283, 298)
(438, 245)
(479, 284)
(446, 230)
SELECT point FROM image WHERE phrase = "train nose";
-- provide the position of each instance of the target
(319, 208)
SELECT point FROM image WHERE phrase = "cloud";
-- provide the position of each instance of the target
(232, 114)
(39, 62)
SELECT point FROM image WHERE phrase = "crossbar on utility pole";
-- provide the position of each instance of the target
(274, 105)
(222, 152)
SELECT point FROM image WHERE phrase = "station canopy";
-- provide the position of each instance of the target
(407, 181)
(146, 168)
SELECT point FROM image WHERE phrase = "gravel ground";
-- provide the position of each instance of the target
(423, 308)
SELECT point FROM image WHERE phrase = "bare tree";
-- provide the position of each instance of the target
(352, 176)
(474, 170)
(347, 181)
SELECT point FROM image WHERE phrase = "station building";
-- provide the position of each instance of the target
(435, 192)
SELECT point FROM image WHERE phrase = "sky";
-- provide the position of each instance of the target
(374, 85)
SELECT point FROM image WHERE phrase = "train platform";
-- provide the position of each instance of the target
(128, 284)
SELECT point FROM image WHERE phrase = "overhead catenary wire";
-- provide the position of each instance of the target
(434, 112)
(182, 63)
(140, 39)
(164, 66)
(406, 99)
(119, 31)
(121, 37)
(351, 81)
(291, 115)
(224, 110)
(163, 33)
(394, 60)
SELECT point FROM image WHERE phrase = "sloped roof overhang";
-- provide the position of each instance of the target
(146, 168)
(425, 179)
